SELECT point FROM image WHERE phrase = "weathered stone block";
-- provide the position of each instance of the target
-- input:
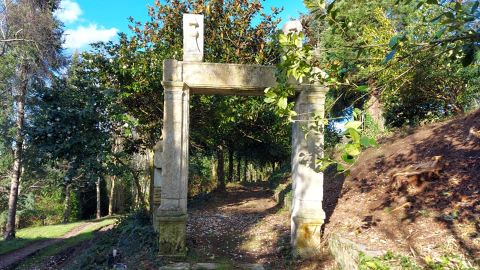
(172, 235)
(157, 196)
(307, 238)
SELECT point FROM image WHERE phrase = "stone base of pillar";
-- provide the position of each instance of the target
(307, 236)
(172, 235)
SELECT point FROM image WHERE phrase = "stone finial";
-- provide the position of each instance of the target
(292, 27)
(193, 37)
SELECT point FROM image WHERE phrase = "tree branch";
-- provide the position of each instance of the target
(10, 40)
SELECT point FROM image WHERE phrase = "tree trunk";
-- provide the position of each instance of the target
(17, 154)
(375, 108)
(111, 199)
(220, 170)
(141, 197)
(213, 174)
(99, 210)
(230, 165)
(245, 171)
(67, 209)
(239, 169)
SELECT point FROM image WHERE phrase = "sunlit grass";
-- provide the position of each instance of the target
(87, 234)
(29, 235)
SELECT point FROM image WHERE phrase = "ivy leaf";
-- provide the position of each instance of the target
(348, 159)
(352, 149)
(354, 135)
(282, 103)
(269, 100)
(283, 39)
(353, 124)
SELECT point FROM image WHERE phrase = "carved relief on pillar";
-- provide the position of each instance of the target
(158, 174)
(193, 37)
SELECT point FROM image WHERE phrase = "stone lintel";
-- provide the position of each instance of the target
(224, 79)
(228, 79)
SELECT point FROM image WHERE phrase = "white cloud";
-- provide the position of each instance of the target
(82, 36)
(69, 11)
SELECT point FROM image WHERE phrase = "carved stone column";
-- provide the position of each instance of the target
(171, 215)
(307, 146)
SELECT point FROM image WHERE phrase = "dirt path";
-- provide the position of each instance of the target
(245, 225)
(66, 256)
(13, 258)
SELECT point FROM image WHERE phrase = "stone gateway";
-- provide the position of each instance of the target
(193, 76)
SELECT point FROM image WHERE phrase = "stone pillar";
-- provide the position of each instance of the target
(307, 146)
(171, 215)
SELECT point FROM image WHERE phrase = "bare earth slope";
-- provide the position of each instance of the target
(431, 216)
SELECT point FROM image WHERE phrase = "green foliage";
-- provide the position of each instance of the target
(387, 262)
(295, 62)
(456, 32)
(449, 262)
(200, 179)
(402, 53)
(393, 261)
(133, 237)
(69, 133)
(370, 127)
(41, 207)
(298, 64)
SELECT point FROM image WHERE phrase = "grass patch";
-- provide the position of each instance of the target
(87, 234)
(29, 235)
(26, 236)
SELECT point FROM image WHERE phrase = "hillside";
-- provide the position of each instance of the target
(433, 216)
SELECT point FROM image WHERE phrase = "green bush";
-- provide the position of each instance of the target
(133, 237)
(200, 180)
(279, 176)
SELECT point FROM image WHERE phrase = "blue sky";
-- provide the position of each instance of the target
(88, 21)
